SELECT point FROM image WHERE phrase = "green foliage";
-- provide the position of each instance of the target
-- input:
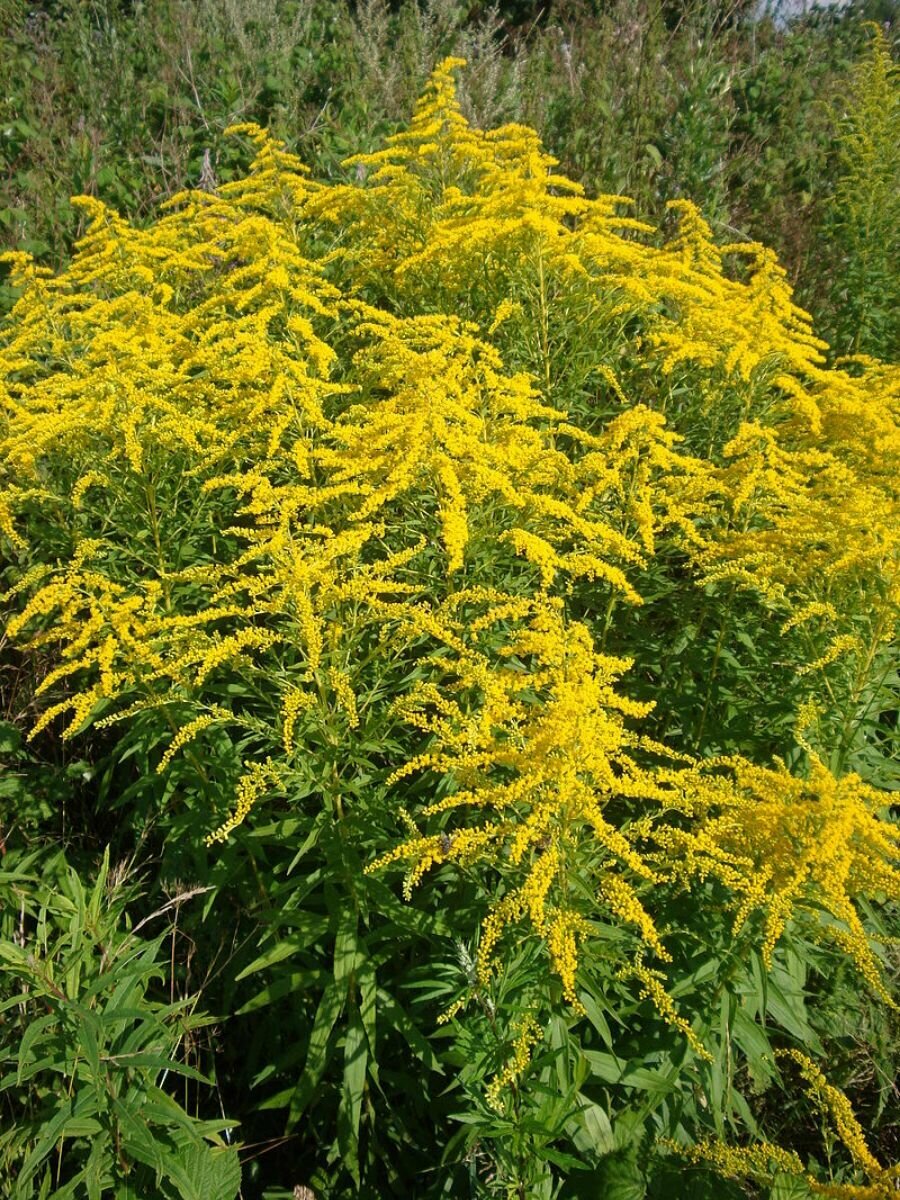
(87, 1047)
(862, 224)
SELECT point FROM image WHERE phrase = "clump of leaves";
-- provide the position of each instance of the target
(90, 1049)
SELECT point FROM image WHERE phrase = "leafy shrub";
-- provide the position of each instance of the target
(87, 1048)
(447, 517)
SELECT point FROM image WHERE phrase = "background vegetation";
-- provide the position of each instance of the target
(128, 101)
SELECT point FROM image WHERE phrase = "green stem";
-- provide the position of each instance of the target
(150, 492)
(545, 323)
(852, 716)
(607, 622)
(720, 641)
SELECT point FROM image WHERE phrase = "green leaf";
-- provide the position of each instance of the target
(568, 1162)
(368, 1004)
(346, 946)
(157, 1062)
(10, 738)
(30, 1037)
(787, 1006)
(137, 1141)
(286, 985)
(317, 1054)
(355, 1061)
(596, 1018)
(646, 1080)
(396, 1018)
(95, 1175)
(789, 1187)
(50, 1133)
(311, 839)
(208, 1171)
(620, 1178)
(755, 1045)
(596, 1131)
(88, 1029)
(653, 153)
(310, 927)
(605, 1067)
(98, 894)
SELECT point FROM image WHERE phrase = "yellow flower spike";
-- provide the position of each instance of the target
(187, 733)
(88, 480)
(835, 1105)
(340, 682)
(624, 904)
(528, 1033)
(505, 310)
(295, 702)
(653, 990)
(566, 930)
(785, 847)
(257, 779)
(233, 647)
(545, 766)
(844, 643)
(763, 1161)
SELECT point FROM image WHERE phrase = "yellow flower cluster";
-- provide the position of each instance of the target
(528, 1034)
(809, 519)
(187, 733)
(763, 1161)
(837, 1108)
(295, 702)
(257, 779)
(539, 763)
(785, 846)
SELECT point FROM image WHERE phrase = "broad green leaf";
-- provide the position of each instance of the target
(596, 1132)
(355, 1061)
(310, 927)
(604, 1066)
(346, 945)
(647, 1080)
(618, 1177)
(789, 1187)
(317, 1055)
(208, 1171)
(10, 737)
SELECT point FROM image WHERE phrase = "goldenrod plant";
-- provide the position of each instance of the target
(451, 519)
